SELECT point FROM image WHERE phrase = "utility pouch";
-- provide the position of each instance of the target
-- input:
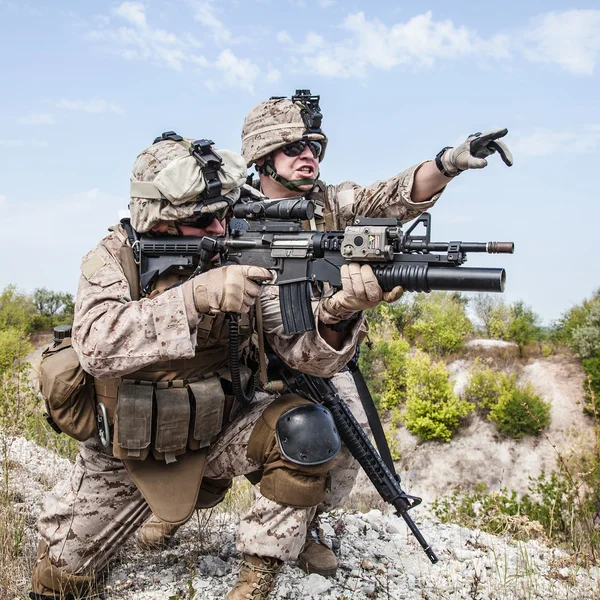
(208, 403)
(133, 422)
(172, 422)
(68, 391)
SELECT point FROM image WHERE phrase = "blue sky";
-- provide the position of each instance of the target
(85, 86)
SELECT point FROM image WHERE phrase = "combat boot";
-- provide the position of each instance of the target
(316, 557)
(155, 533)
(256, 579)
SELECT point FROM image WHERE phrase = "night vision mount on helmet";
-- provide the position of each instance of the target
(278, 122)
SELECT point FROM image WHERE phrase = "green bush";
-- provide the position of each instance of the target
(16, 310)
(383, 364)
(486, 386)
(591, 366)
(586, 337)
(520, 412)
(493, 314)
(562, 506)
(432, 410)
(441, 324)
(14, 346)
(564, 331)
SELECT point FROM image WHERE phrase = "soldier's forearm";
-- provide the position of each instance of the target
(428, 181)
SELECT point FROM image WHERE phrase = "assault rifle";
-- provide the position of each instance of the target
(270, 234)
(385, 480)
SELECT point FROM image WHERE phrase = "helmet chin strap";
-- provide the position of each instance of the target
(269, 169)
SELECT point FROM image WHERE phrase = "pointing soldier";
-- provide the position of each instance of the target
(284, 140)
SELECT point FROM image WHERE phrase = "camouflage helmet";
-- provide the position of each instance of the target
(273, 124)
(168, 184)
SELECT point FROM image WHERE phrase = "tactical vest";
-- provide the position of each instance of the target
(166, 415)
(172, 406)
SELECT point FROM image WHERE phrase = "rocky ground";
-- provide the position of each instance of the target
(378, 557)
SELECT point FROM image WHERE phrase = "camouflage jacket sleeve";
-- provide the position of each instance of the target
(307, 352)
(113, 335)
(389, 198)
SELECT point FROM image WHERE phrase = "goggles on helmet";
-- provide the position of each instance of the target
(202, 220)
(297, 148)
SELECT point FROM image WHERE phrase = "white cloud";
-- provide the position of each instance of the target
(85, 202)
(418, 42)
(204, 13)
(571, 39)
(22, 8)
(132, 12)
(94, 105)
(137, 40)
(326, 3)
(545, 141)
(3, 200)
(37, 119)
(237, 72)
(284, 37)
(273, 75)
(24, 143)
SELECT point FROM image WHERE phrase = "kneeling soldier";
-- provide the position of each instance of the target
(158, 349)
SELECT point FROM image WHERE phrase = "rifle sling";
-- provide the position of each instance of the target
(372, 416)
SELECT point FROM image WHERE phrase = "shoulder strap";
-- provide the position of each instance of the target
(372, 415)
(129, 254)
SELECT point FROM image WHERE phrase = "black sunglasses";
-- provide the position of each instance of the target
(204, 220)
(297, 148)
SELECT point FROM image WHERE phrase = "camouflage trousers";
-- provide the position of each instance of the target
(88, 517)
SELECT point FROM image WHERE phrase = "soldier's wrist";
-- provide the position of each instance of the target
(329, 314)
(444, 166)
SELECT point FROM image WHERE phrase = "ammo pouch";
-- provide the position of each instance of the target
(68, 391)
(167, 418)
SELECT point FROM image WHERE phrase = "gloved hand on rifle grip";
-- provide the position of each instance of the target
(228, 289)
(360, 291)
(471, 154)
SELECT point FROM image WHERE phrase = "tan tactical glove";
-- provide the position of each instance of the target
(228, 289)
(471, 153)
(360, 291)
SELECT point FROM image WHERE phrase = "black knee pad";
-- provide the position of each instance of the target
(299, 483)
(307, 435)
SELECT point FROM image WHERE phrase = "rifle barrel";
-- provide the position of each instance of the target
(489, 247)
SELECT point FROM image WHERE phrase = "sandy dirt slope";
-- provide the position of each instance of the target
(478, 453)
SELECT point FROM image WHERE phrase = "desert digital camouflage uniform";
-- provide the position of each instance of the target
(337, 207)
(87, 518)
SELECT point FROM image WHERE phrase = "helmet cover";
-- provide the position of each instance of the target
(177, 184)
(273, 124)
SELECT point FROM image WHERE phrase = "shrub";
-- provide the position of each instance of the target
(486, 386)
(432, 410)
(493, 314)
(14, 346)
(383, 364)
(591, 366)
(442, 324)
(16, 310)
(524, 326)
(520, 412)
(562, 506)
(574, 319)
(585, 338)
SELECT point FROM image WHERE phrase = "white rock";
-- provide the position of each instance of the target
(316, 584)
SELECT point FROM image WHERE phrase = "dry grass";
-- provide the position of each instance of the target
(16, 552)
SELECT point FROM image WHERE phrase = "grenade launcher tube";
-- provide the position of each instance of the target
(422, 277)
